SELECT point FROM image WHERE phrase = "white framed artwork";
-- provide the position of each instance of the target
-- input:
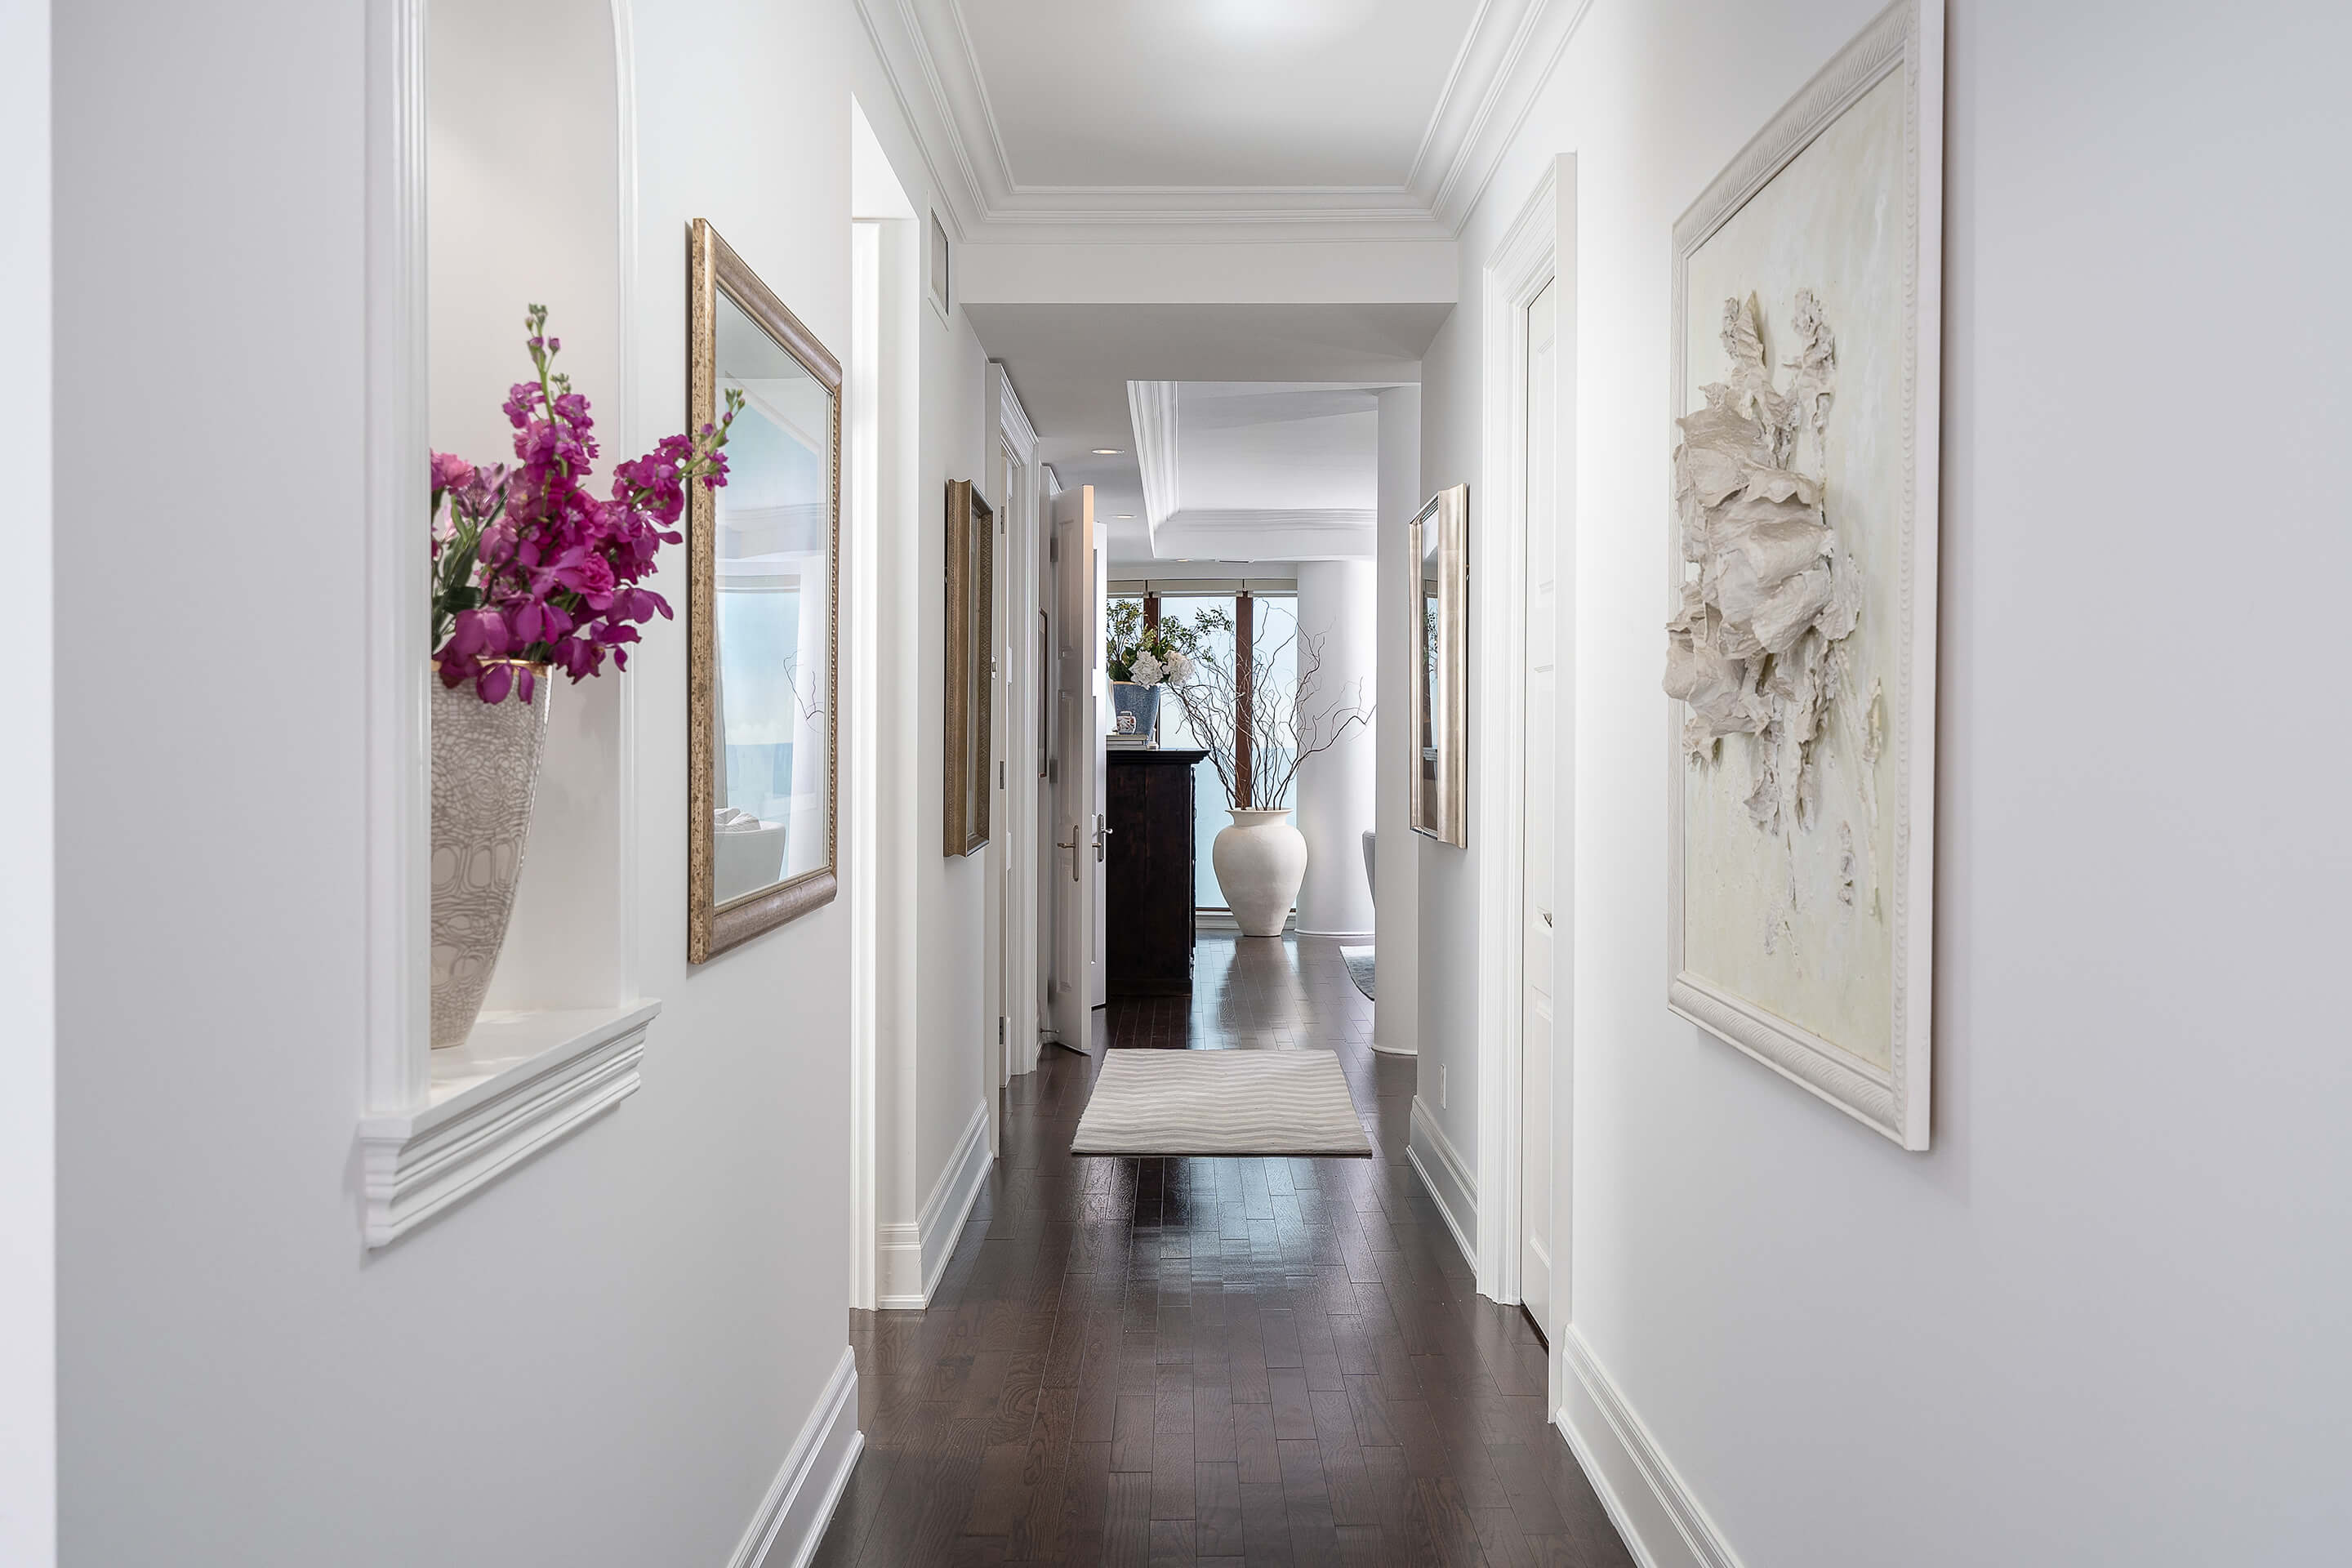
(1801, 646)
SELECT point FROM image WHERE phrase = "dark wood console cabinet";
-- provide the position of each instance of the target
(1148, 871)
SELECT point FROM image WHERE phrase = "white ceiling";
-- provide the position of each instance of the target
(1276, 447)
(1262, 119)
(1257, 377)
(1112, 93)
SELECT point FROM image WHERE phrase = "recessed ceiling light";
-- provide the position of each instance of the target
(1126, 517)
(1110, 451)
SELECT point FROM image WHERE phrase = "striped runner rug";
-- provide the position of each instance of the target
(1221, 1102)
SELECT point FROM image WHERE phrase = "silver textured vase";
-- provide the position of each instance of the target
(485, 773)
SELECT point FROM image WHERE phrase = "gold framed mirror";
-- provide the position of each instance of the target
(762, 663)
(971, 665)
(1441, 593)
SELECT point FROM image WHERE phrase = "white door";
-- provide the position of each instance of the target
(1098, 685)
(1077, 764)
(1539, 726)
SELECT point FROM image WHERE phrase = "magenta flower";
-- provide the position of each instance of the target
(531, 568)
(450, 472)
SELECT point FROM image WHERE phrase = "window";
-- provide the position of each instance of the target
(1272, 619)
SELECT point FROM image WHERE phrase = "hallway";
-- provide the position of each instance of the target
(1166, 1360)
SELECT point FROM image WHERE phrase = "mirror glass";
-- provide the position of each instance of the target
(772, 588)
(1427, 541)
(966, 681)
(975, 664)
(1439, 542)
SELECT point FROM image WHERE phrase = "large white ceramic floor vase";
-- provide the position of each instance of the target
(1261, 860)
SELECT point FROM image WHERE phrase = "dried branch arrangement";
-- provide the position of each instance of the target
(1285, 723)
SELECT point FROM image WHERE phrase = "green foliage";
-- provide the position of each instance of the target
(1175, 645)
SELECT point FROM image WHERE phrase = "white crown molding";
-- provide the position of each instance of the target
(1012, 417)
(1244, 517)
(1152, 412)
(1506, 56)
(1266, 534)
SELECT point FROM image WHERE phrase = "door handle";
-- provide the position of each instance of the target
(1072, 847)
(1102, 831)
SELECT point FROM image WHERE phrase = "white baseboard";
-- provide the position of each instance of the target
(1223, 920)
(800, 1502)
(1337, 935)
(911, 1257)
(1663, 1523)
(1452, 1186)
(1395, 1051)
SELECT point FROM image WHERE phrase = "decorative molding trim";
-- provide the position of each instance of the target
(1426, 1133)
(399, 752)
(1907, 37)
(1151, 411)
(1012, 417)
(1524, 262)
(1019, 511)
(1238, 519)
(1506, 56)
(519, 1084)
(1661, 1522)
(1536, 42)
(791, 1523)
(913, 1256)
(1260, 534)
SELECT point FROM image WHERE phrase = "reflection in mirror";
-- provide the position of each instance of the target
(1431, 691)
(762, 679)
(1440, 535)
(773, 559)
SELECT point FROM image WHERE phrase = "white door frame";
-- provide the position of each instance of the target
(1536, 249)
(1014, 856)
(881, 423)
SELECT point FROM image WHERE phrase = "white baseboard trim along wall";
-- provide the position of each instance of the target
(800, 1501)
(911, 1257)
(1661, 1522)
(1452, 1186)
(1223, 920)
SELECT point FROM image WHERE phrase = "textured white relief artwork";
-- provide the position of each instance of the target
(1790, 484)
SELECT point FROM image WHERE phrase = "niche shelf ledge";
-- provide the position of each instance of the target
(521, 1081)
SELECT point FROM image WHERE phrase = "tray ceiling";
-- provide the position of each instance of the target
(1259, 119)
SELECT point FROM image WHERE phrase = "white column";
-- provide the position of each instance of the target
(1335, 605)
(1396, 1022)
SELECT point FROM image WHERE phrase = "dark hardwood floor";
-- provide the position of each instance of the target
(1211, 1360)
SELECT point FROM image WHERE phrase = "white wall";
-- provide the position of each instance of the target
(1447, 1086)
(28, 1336)
(1396, 1020)
(2101, 1320)
(1335, 605)
(950, 901)
(604, 1358)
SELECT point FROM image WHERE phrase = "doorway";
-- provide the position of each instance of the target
(1526, 625)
